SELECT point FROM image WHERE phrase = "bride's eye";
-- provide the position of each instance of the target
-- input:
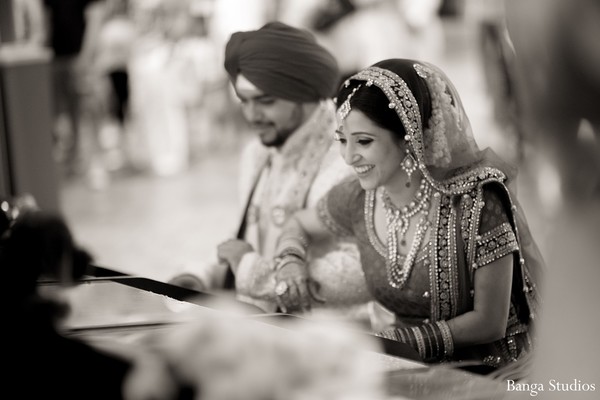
(339, 138)
(364, 142)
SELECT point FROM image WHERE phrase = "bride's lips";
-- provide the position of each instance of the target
(363, 169)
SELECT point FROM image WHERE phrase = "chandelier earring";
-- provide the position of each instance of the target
(408, 164)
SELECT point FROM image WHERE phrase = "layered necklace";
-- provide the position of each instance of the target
(399, 266)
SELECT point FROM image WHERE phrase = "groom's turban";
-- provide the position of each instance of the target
(284, 62)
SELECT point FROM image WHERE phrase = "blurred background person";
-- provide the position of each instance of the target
(361, 32)
(167, 71)
(558, 89)
(37, 246)
(557, 81)
(116, 43)
(73, 28)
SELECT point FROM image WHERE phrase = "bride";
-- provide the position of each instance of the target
(444, 246)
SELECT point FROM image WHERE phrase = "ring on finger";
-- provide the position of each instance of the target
(281, 288)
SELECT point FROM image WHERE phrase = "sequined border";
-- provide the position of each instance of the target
(444, 269)
(495, 244)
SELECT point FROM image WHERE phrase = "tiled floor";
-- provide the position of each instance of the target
(155, 226)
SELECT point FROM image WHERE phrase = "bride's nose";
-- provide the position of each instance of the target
(350, 155)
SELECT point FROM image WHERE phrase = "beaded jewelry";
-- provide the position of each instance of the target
(408, 165)
(345, 108)
(398, 220)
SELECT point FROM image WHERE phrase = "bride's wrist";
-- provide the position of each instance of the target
(287, 259)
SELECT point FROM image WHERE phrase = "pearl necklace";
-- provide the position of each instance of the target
(398, 221)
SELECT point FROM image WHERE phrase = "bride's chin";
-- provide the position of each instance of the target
(367, 184)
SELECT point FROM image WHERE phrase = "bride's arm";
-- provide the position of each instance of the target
(492, 286)
(487, 321)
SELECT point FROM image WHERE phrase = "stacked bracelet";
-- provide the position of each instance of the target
(281, 262)
(293, 251)
(433, 341)
(446, 337)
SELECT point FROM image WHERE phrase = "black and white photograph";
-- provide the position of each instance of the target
(300, 199)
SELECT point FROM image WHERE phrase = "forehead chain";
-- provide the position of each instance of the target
(400, 98)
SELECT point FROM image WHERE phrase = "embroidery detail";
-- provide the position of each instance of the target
(495, 244)
(476, 208)
(277, 198)
(329, 221)
(446, 260)
(465, 216)
(422, 71)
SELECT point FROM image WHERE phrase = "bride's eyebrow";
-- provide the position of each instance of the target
(356, 133)
(363, 133)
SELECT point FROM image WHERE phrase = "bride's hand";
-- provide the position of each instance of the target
(295, 290)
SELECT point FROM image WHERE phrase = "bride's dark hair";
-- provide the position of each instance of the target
(372, 102)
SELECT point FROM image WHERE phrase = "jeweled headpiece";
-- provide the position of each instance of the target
(401, 100)
(345, 108)
(445, 140)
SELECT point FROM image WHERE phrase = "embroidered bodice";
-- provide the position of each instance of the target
(432, 290)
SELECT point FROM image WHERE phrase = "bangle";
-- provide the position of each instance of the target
(433, 341)
(281, 262)
(446, 337)
(293, 251)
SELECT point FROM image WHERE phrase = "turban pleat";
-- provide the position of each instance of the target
(284, 62)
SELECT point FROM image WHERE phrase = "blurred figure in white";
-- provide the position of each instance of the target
(362, 32)
(557, 70)
(169, 66)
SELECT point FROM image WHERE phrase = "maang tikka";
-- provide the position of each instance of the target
(345, 108)
(404, 103)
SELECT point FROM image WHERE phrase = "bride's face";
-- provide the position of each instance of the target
(372, 151)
